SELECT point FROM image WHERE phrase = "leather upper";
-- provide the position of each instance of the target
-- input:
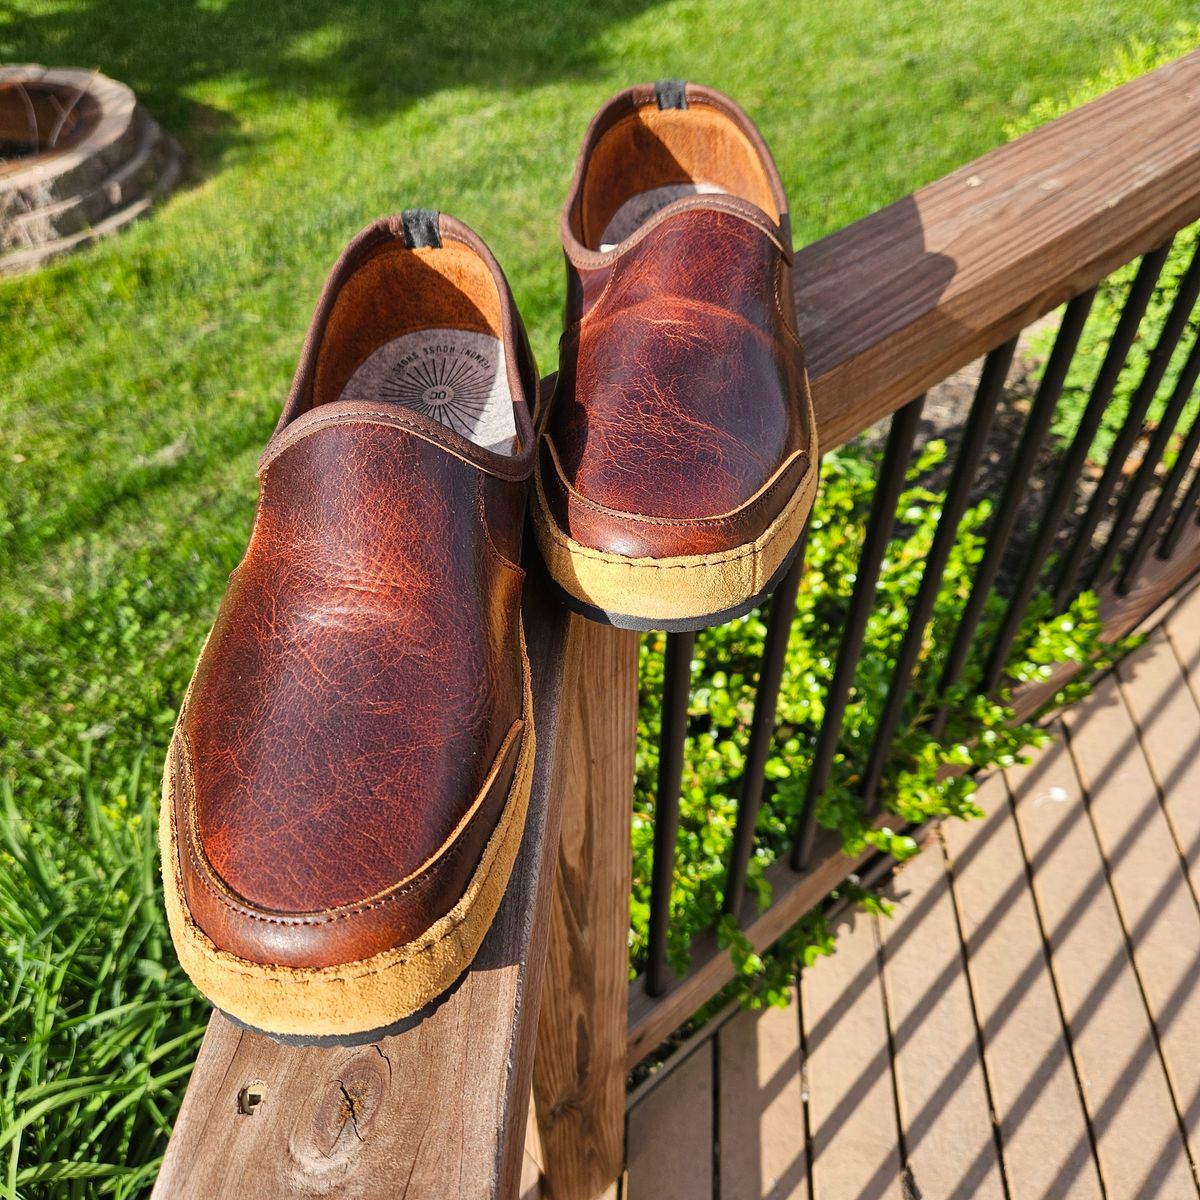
(349, 737)
(678, 422)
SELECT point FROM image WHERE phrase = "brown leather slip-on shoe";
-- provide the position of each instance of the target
(677, 458)
(346, 788)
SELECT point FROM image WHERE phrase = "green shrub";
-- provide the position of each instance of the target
(979, 732)
(98, 1030)
(100, 1027)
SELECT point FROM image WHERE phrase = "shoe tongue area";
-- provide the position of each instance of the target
(449, 386)
(456, 377)
(391, 421)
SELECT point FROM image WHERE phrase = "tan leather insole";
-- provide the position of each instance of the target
(637, 210)
(456, 376)
(399, 291)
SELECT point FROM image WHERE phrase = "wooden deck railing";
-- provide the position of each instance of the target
(888, 307)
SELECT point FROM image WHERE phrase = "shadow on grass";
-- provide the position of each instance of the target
(375, 56)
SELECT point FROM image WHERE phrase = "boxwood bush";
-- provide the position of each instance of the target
(980, 731)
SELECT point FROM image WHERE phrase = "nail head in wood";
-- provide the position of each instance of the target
(251, 1097)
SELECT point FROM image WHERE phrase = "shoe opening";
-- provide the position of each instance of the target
(421, 328)
(648, 157)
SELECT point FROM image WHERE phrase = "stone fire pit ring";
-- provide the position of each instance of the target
(79, 159)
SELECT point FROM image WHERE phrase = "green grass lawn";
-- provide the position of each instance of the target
(139, 380)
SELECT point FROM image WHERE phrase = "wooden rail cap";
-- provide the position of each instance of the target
(905, 297)
(439, 1110)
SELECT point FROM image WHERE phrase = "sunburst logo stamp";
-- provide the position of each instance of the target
(452, 387)
(457, 377)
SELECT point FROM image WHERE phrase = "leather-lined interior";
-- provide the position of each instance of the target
(652, 148)
(421, 328)
(398, 291)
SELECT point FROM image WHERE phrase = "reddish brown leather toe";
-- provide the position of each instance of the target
(347, 783)
(677, 458)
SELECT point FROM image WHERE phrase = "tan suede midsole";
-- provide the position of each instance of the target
(686, 586)
(373, 992)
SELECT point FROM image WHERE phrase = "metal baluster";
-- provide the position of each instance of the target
(1067, 476)
(762, 729)
(1189, 506)
(677, 681)
(970, 451)
(1160, 358)
(1034, 434)
(880, 524)
(1153, 524)
(1145, 477)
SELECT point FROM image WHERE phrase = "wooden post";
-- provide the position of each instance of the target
(579, 1068)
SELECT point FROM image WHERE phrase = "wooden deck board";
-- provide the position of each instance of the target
(531, 1179)
(670, 1144)
(1043, 1129)
(940, 1082)
(1157, 907)
(1167, 715)
(531, 1161)
(1129, 1104)
(1182, 628)
(761, 1108)
(851, 1111)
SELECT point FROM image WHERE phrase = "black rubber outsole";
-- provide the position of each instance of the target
(679, 624)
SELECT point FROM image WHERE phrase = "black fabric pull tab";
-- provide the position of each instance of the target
(670, 94)
(420, 227)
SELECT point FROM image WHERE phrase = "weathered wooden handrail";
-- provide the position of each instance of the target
(903, 298)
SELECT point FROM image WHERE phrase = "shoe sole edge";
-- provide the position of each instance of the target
(679, 594)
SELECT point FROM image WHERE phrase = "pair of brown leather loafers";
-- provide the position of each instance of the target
(346, 789)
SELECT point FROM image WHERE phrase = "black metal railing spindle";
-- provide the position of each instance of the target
(1037, 425)
(1139, 404)
(880, 523)
(970, 451)
(762, 728)
(1189, 508)
(1153, 525)
(677, 680)
(1069, 470)
(1147, 473)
